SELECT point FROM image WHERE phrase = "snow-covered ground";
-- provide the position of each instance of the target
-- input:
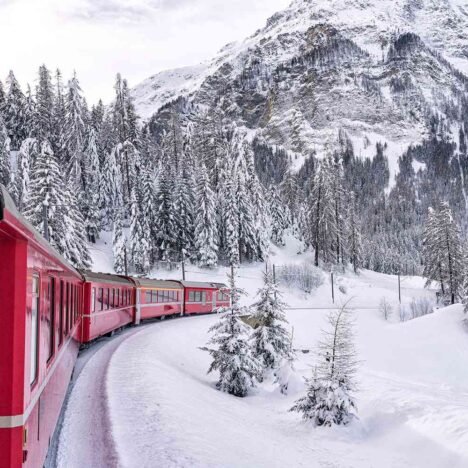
(163, 410)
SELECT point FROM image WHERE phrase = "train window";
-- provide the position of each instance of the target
(117, 297)
(154, 296)
(61, 312)
(93, 299)
(106, 298)
(67, 307)
(51, 318)
(114, 303)
(77, 302)
(191, 296)
(148, 295)
(34, 340)
(101, 299)
(203, 297)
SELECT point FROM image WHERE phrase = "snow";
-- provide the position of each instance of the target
(164, 410)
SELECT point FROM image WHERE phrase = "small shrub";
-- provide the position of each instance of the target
(420, 307)
(305, 277)
(385, 308)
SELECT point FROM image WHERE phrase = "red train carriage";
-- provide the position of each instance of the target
(203, 298)
(157, 298)
(41, 297)
(109, 304)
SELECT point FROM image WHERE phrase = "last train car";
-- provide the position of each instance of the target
(203, 297)
(41, 299)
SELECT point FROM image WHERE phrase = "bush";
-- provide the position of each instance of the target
(305, 277)
(416, 308)
(385, 308)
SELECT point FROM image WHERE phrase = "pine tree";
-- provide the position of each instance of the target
(44, 114)
(26, 157)
(230, 350)
(139, 231)
(119, 244)
(442, 251)
(329, 398)
(206, 228)
(14, 112)
(5, 169)
(230, 218)
(279, 216)
(74, 132)
(60, 120)
(354, 235)
(270, 339)
(93, 187)
(111, 185)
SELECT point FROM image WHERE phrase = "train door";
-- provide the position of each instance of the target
(213, 300)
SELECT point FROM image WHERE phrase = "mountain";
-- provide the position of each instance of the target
(377, 70)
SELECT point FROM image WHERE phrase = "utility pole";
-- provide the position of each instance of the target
(45, 221)
(333, 289)
(125, 261)
(183, 267)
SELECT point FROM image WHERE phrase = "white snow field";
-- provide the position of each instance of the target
(163, 410)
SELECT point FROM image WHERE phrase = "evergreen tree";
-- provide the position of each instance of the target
(230, 218)
(354, 235)
(270, 339)
(111, 184)
(329, 398)
(442, 251)
(139, 230)
(44, 114)
(14, 112)
(232, 357)
(5, 169)
(279, 216)
(206, 228)
(119, 244)
(26, 157)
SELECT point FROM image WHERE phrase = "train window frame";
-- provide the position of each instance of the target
(107, 298)
(148, 296)
(154, 296)
(203, 297)
(101, 298)
(62, 288)
(93, 299)
(52, 314)
(35, 337)
(67, 308)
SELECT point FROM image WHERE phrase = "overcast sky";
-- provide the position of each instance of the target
(98, 38)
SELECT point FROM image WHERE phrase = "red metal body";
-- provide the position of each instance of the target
(109, 304)
(41, 297)
(204, 298)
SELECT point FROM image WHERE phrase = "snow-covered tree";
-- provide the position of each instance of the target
(442, 251)
(14, 112)
(119, 244)
(230, 348)
(271, 342)
(329, 399)
(5, 169)
(139, 231)
(206, 228)
(44, 112)
(230, 216)
(111, 187)
(279, 216)
(26, 157)
(354, 235)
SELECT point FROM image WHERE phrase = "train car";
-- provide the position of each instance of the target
(109, 304)
(204, 298)
(41, 298)
(157, 298)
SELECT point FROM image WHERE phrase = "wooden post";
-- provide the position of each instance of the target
(183, 267)
(125, 261)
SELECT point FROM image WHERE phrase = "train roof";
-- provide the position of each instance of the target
(91, 276)
(202, 284)
(7, 205)
(156, 283)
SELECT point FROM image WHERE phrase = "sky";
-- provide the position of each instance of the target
(137, 38)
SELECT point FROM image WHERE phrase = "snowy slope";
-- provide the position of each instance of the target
(412, 400)
(163, 409)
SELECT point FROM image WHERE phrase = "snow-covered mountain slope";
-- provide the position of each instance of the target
(373, 68)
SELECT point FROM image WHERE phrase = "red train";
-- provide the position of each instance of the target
(49, 309)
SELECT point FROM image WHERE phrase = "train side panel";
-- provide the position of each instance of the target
(159, 302)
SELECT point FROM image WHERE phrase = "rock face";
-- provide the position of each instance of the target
(375, 69)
